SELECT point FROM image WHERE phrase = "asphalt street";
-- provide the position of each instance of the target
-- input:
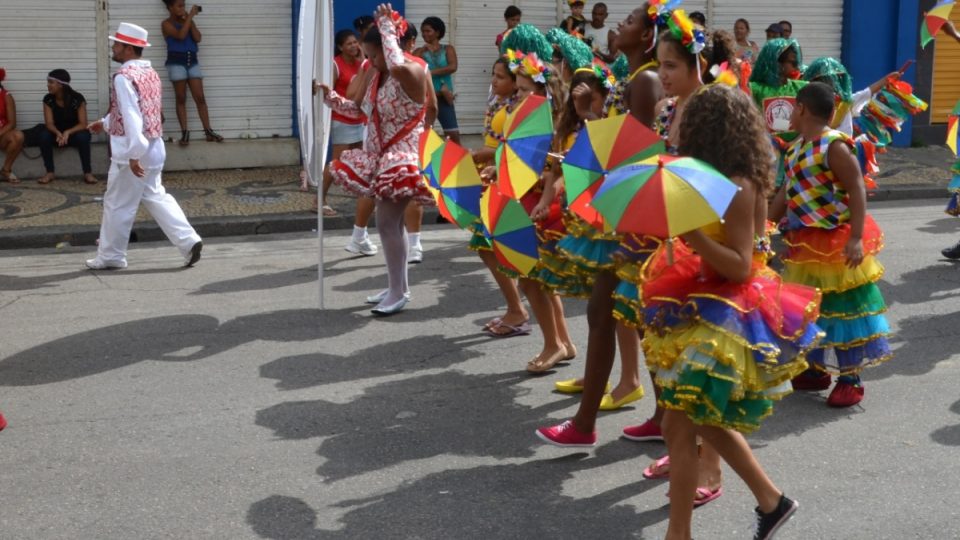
(220, 402)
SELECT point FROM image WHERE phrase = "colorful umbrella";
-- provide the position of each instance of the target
(430, 142)
(664, 196)
(460, 187)
(934, 20)
(512, 234)
(603, 145)
(952, 133)
(528, 133)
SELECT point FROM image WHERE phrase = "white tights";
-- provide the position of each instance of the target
(393, 235)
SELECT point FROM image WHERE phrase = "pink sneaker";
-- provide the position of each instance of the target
(647, 431)
(567, 436)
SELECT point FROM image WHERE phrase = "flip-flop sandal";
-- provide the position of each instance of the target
(704, 495)
(491, 323)
(328, 211)
(653, 471)
(522, 330)
(8, 176)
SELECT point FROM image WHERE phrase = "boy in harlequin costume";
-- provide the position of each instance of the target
(832, 245)
(774, 84)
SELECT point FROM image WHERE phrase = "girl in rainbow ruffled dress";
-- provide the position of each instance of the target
(536, 77)
(832, 245)
(722, 333)
(503, 85)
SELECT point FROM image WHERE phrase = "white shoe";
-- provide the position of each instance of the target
(97, 263)
(384, 311)
(377, 298)
(415, 255)
(364, 247)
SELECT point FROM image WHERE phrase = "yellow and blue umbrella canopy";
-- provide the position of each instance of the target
(511, 232)
(603, 145)
(664, 196)
(528, 134)
(458, 184)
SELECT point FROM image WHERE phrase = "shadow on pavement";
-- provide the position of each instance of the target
(415, 418)
(927, 340)
(419, 353)
(935, 282)
(524, 500)
(161, 338)
(19, 283)
(949, 435)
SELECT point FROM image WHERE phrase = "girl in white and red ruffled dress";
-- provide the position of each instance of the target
(387, 167)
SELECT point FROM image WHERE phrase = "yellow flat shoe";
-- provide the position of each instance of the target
(570, 386)
(608, 404)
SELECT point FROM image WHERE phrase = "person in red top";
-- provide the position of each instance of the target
(11, 139)
(512, 15)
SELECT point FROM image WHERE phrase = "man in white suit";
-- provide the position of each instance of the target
(137, 155)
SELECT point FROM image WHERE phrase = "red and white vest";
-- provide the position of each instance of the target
(146, 82)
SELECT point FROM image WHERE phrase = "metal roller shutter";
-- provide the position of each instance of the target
(246, 54)
(817, 24)
(946, 77)
(37, 37)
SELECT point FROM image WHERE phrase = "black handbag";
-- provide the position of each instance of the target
(31, 136)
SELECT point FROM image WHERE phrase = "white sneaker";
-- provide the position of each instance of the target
(97, 263)
(377, 298)
(364, 247)
(415, 254)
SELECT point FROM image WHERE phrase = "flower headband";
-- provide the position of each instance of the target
(602, 72)
(659, 12)
(400, 23)
(528, 65)
(683, 29)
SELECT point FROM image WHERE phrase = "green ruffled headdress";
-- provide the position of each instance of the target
(766, 70)
(575, 53)
(620, 67)
(831, 71)
(527, 38)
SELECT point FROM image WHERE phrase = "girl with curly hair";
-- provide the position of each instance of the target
(723, 334)
(683, 70)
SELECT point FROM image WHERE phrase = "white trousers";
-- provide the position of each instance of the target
(124, 194)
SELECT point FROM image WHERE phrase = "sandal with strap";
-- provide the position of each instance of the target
(212, 136)
(184, 138)
(9, 177)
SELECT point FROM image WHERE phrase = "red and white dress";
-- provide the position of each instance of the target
(388, 165)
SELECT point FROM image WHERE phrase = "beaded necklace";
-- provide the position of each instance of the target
(493, 108)
(615, 99)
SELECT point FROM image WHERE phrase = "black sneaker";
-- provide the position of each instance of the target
(768, 524)
(952, 252)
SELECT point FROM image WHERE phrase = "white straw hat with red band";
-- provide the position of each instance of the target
(130, 34)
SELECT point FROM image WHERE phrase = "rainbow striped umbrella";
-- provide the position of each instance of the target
(952, 133)
(934, 20)
(430, 142)
(459, 184)
(664, 196)
(512, 234)
(601, 146)
(528, 134)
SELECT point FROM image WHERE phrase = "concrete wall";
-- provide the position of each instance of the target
(200, 155)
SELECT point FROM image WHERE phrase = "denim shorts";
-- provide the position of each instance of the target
(180, 72)
(447, 115)
(346, 133)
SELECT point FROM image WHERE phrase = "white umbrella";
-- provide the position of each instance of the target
(314, 58)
